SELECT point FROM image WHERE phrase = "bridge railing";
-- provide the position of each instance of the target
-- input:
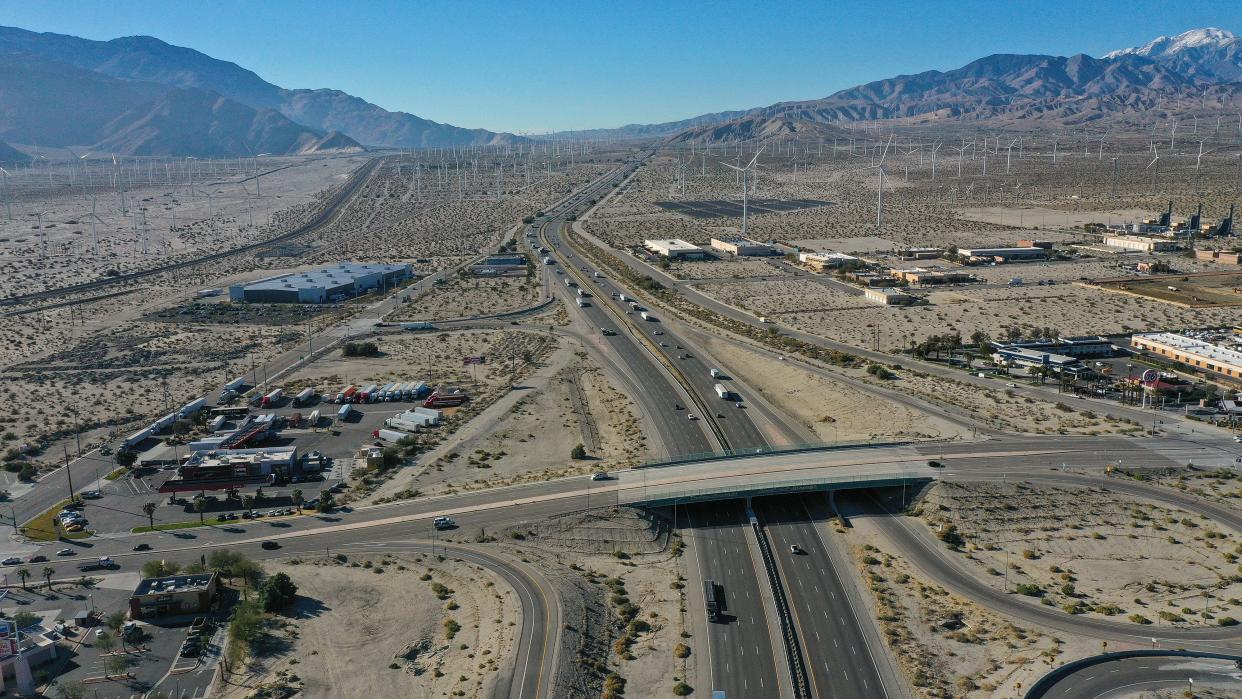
(667, 495)
(770, 450)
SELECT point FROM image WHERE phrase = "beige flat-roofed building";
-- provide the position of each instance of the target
(1192, 352)
(674, 248)
(889, 297)
(1140, 243)
(742, 247)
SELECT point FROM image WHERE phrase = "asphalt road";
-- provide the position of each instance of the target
(837, 658)
(740, 650)
(1129, 677)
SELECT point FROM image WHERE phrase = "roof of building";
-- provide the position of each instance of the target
(1199, 348)
(174, 583)
(336, 275)
(827, 256)
(739, 240)
(672, 244)
(1034, 355)
(988, 252)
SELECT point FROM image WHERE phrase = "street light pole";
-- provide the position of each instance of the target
(68, 472)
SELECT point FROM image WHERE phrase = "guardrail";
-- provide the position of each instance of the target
(1048, 681)
(793, 646)
(753, 452)
(753, 488)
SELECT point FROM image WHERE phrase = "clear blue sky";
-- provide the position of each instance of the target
(560, 65)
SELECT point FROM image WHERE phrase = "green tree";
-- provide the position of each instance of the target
(126, 458)
(72, 689)
(578, 452)
(200, 506)
(159, 569)
(277, 592)
(116, 664)
(24, 620)
(48, 572)
(298, 498)
(223, 561)
(28, 472)
(248, 502)
(105, 643)
(148, 509)
(24, 574)
(326, 501)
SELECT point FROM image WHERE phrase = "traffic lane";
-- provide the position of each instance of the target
(838, 660)
(742, 655)
(1128, 677)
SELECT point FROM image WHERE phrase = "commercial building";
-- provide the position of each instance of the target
(335, 283)
(1140, 243)
(1219, 256)
(1025, 358)
(823, 261)
(173, 595)
(1079, 346)
(1042, 244)
(228, 469)
(1002, 255)
(923, 275)
(1192, 352)
(499, 266)
(920, 253)
(889, 297)
(674, 249)
(743, 247)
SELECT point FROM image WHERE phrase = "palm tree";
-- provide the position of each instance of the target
(200, 504)
(24, 574)
(298, 499)
(48, 572)
(149, 509)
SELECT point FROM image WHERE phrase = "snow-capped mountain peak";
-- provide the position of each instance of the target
(1165, 46)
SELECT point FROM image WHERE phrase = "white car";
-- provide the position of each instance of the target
(1011, 385)
(66, 552)
(1237, 438)
(692, 416)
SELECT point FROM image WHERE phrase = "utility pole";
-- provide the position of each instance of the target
(68, 473)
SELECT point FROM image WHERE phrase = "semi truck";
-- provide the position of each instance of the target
(646, 316)
(547, 260)
(712, 600)
(622, 297)
(344, 412)
(272, 398)
(398, 424)
(367, 394)
(715, 373)
(723, 392)
(445, 400)
(102, 563)
(389, 435)
(216, 423)
(346, 394)
(303, 397)
(235, 384)
(313, 419)
(192, 407)
(582, 303)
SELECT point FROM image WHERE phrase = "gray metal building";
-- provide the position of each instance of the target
(334, 283)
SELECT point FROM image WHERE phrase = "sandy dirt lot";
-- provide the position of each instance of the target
(1007, 411)
(1085, 551)
(379, 625)
(947, 645)
(466, 296)
(833, 410)
(727, 267)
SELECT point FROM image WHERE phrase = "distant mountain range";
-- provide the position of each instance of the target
(1006, 89)
(140, 95)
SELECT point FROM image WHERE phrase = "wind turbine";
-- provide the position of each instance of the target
(745, 173)
(879, 206)
(1154, 166)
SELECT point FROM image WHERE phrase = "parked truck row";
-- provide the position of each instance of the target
(377, 393)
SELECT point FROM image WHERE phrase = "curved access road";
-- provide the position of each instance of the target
(532, 675)
(1123, 675)
(925, 553)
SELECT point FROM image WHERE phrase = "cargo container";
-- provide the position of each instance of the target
(417, 389)
(192, 407)
(344, 412)
(723, 392)
(136, 438)
(389, 435)
(235, 384)
(647, 316)
(272, 398)
(346, 394)
(398, 424)
(313, 419)
(304, 397)
(216, 423)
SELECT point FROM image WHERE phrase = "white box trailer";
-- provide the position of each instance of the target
(430, 414)
(136, 438)
(216, 423)
(723, 392)
(304, 396)
(192, 407)
(313, 418)
(235, 383)
(344, 412)
(398, 424)
(390, 435)
(582, 303)
(647, 316)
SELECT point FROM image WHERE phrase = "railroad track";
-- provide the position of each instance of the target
(360, 176)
